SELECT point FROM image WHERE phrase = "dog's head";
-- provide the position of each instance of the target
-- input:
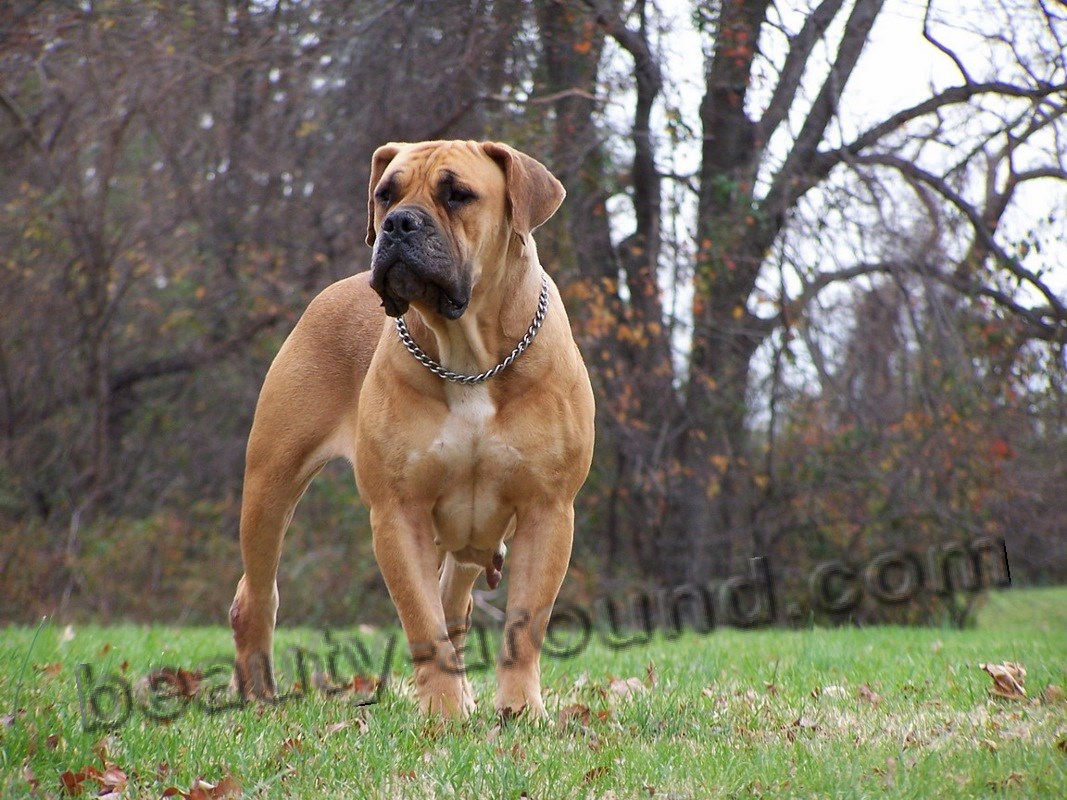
(440, 214)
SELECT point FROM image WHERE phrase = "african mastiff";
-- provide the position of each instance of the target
(468, 417)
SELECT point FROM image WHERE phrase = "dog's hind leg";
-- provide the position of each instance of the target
(271, 491)
(301, 422)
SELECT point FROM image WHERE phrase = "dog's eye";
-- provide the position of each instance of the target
(457, 196)
(384, 196)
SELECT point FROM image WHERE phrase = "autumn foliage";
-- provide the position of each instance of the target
(817, 335)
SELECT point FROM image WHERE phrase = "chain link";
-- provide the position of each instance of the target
(456, 377)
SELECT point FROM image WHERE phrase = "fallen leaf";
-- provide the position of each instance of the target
(101, 747)
(1014, 779)
(1053, 694)
(335, 727)
(806, 722)
(52, 742)
(595, 773)
(71, 783)
(226, 789)
(650, 674)
(291, 745)
(868, 694)
(1007, 679)
(185, 682)
(49, 670)
(363, 684)
(625, 688)
(578, 712)
(113, 778)
(29, 776)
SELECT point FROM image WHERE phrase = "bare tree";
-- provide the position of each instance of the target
(762, 161)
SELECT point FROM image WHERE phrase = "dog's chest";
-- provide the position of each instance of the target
(468, 469)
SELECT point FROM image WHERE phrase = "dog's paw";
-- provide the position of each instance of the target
(441, 694)
(527, 704)
(253, 676)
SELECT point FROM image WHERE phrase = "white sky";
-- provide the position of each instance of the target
(898, 68)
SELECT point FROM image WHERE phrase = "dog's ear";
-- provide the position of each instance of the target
(534, 194)
(382, 156)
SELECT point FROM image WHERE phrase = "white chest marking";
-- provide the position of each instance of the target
(471, 463)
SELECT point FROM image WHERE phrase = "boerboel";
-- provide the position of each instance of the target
(468, 417)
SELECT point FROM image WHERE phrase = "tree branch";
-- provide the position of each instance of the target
(916, 173)
(823, 109)
(796, 62)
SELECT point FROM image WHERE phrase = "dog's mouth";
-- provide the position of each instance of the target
(399, 285)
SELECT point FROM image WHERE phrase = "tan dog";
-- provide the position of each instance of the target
(449, 470)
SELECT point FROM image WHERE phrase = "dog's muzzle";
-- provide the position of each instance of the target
(412, 263)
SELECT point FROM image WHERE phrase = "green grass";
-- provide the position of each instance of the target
(764, 713)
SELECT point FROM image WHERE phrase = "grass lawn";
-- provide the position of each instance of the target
(881, 712)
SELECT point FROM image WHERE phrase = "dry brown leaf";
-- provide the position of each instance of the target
(186, 683)
(71, 783)
(595, 773)
(578, 712)
(29, 776)
(626, 688)
(49, 670)
(102, 747)
(1015, 779)
(1007, 679)
(363, 684)
(806, 722)
(650, 674)
(291, 745)
(113, 778)
(868, 694)
(226, 789)
(1053, 694)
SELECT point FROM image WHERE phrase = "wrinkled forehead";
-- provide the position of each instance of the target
(430, 164)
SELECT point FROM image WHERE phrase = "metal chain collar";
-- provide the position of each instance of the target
(456, 377)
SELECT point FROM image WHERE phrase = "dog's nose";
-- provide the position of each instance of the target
(402, 223)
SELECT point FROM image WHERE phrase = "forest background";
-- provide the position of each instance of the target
(823, 319)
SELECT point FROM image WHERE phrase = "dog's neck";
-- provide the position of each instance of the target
(502, 306)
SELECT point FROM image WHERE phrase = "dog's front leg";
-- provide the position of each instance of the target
(407, 557)
(539, 555)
